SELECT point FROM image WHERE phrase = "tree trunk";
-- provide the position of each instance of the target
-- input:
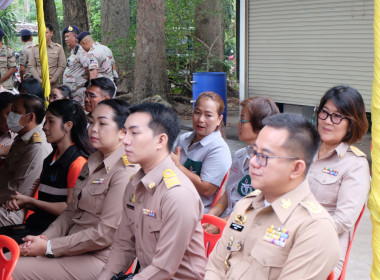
(75, 13)
(50, 15)
(115, 23)
(151, 76)
(209, 35)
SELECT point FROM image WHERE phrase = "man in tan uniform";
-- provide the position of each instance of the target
(24, 162)
(76, 72)
(162, 210)
(100, 57)
(56, 59)
(278, 231)
(7, 64)
(27, 40)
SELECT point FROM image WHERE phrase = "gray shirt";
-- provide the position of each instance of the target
(239, 182)
(209, 158)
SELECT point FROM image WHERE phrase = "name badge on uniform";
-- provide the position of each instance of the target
(98, 181)
(236, 226)
(149, 213)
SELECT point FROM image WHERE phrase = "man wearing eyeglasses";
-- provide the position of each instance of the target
(278, 231)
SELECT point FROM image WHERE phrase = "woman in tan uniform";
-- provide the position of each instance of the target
(77, 243)
(339, 176)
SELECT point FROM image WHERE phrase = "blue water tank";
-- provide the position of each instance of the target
(211, 81)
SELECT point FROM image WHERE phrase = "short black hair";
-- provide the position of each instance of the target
(107, 87)
(303, 139)
(65, 91)
(6, 98)
(33, 104)
(48, 25)
(120, 109)
(31, 86)
(26, 38)
(164, 120)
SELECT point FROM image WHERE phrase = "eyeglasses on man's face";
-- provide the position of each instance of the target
(334, 117)
(262, 159)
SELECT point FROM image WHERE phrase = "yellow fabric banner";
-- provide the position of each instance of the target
(42, 47)
(374, 196)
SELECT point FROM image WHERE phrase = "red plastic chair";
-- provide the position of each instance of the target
(211, 239)
(331, 276)
(220, 191)
(343, 273)
(7, 266)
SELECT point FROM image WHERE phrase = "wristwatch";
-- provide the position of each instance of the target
(49, 252)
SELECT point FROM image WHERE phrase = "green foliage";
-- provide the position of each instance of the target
(95, 19)
(59, 9)
(8, 20)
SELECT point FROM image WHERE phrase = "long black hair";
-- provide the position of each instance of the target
(71, 110)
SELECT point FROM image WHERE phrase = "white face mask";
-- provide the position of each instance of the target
(13, 122)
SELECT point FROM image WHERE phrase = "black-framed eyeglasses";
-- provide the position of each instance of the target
(241, 121)
(262, 159)
(334, 117)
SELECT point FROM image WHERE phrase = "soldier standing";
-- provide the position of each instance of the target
(27, 40)
(100, 57)
(56, 59)
(7, 64)
(76, 72)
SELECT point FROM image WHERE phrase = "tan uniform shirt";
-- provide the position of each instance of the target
(7, 61)
(89, 222)
(341, 183)
(161, 226)
(100, 57)
(22, 168)
(293, 238)
(56, 61)
(75, 75)
(24, 58)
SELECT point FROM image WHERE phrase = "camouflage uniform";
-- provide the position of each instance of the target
(7, 61)
(100, 58)
(24, 58)
(75, 75)
(56, 61)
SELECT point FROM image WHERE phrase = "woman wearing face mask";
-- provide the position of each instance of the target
(203, 155)
(65, 126)
(339, 175)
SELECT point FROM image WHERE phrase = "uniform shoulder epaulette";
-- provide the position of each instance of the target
(254, 193)
(125, 160)
(36, 138)
(170, 178)
(57, 44)
(312, 206)
(357, 152)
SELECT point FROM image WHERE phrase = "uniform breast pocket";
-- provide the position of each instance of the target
(327, 188)
(152, 227)
(96, 196)
(3, 62)
(270, 258)
(53, 58)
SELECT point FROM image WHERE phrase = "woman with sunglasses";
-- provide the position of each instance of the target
(238, 185)
(339, 176)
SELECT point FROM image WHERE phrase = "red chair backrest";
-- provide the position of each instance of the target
(343, 273)
(220, 191)
(211, 239)
(331, 276)
(7, 266)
